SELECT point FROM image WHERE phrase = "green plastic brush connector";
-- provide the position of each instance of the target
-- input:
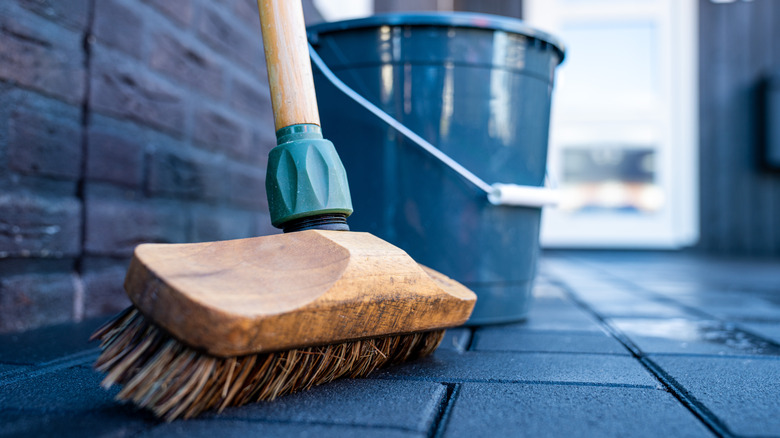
(305, 177)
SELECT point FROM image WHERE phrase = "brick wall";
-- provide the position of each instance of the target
(122, 122)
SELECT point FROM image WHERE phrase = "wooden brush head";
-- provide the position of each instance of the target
(285, 291)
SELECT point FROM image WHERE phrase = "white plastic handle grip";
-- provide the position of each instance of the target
(523, 196)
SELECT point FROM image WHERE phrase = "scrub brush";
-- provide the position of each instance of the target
(221, 324)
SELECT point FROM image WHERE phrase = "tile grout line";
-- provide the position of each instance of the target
(661, 298)
(706, 316)
(519, 382)
(721, 356)
(472, 336)
(439, 425)
(701, 412)
(575, 353)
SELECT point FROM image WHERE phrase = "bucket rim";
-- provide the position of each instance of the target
(445, 19)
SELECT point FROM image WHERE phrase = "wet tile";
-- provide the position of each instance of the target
(243, 429)
(49, 343)
(742, 393)
(407, 405)
(546, 304)
(568, 410)
(685, 336)
(544, 290)
(639, 308)
(673, 288)
(506, 339)
(741, 308)
(484, 366)
(556, 314)
(604, 293)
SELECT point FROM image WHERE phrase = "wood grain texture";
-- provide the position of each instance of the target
(287, 59)
(293, 290)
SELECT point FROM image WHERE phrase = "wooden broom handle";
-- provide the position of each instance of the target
(287, 58)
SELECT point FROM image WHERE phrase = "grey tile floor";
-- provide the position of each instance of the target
(617, 344)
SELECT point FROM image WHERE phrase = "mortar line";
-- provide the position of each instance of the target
(86, 45)
(699, 410)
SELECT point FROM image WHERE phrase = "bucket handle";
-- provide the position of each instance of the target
(497, 193)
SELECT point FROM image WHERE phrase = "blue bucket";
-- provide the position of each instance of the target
(476, 86)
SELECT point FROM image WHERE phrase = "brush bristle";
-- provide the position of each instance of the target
(173, 380)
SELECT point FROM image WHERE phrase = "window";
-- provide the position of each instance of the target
(623, 140)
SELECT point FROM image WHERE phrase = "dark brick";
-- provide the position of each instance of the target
(42, 56)
(73, 13)
(262, 226)
(104, 293)
(124, 91)
(450, 366)
(503, 339)
(118, 26)
(186, 65)
(242, 429)
(221, 131)
(263, 140)
(20, 266)
(211, 224)
(184, 174)
(228, 39)
(40, 146)
(40, 227)
(742, 393)
(252, 100)
(248, 12)
(353, 402)
(568, 410)
(116, 227)
(114, 159)
(247, 187)
(179, 10)
(29, 301)
(35, 347)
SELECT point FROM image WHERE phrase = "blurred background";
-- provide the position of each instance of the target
(130, 121)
